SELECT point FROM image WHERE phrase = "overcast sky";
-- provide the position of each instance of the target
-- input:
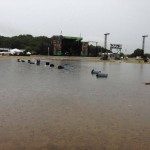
(125, 20)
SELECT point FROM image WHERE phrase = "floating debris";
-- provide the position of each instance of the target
(38, 62)
(60, 67)
(51, 65)
(47, 63)
(95, 72)
(147, 83)
(32, 62)
(102, 75)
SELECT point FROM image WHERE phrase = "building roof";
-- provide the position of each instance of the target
(68, 37)
(72, 38)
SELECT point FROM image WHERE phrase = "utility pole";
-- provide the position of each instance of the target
(105, 42)
(96, 49)
(48, 51)
(143, 44)
(105, 45)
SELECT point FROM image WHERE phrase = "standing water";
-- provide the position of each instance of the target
(43, 108)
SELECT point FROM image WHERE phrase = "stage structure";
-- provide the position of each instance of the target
(56, 42)
(85, 46)
(70, 46)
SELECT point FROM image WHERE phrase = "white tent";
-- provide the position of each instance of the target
(28, 53)
(16, 51)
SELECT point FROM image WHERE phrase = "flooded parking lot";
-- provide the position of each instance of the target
(44, 108)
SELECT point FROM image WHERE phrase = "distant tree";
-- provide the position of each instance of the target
(38, 45)
(29, 48)
(122, 55)
(95, 50)
(137, 52)
(147, 55)
(4, 42)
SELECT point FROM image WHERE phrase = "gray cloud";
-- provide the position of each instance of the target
(126, 20)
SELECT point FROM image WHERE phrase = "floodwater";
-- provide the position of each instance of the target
(44, 108)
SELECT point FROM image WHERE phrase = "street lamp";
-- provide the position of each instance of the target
(143, 44)
(105, 42)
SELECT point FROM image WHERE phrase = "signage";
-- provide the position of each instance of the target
(115, 46)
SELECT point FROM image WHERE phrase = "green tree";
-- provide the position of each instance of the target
(137, 52)
(95, 50)
(122, 55)
(38, 45)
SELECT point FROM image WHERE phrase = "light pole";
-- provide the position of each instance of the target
(96, 49)
(48, 51)
(105, 42)
(143, 44)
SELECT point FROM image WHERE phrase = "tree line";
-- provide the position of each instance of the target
(37, 45)
(139, 52)
(40, 44)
